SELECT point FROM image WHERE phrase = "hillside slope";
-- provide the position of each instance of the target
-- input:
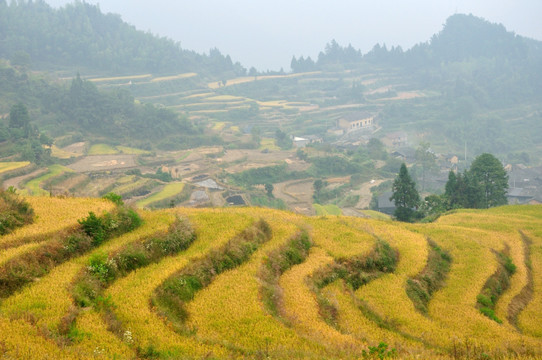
(326, 287)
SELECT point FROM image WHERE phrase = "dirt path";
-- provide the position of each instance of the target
(17, 180)
(365, 194)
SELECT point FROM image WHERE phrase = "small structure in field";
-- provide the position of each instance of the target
(300, 142)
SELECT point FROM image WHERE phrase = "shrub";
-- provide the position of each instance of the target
(93, 227)
(115, 198)
(100, 267)
(77, 243)
(379, 352)
(495, 286)
(130, 259)
(430, 279)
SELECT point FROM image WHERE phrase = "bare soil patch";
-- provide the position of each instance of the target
(297, 194)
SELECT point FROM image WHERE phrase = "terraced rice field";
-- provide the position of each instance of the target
(12, 165)
(229, 317)
(329, 209)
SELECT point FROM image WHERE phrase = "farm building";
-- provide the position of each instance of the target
(385, 205)
(519, 196)
(356, 121)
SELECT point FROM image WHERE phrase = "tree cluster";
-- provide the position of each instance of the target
(25, 140)
(482, 186)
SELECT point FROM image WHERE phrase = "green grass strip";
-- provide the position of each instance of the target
(102, 149)
(168, 191)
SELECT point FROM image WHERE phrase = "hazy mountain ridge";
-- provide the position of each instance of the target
(462, 37)
(80, 35)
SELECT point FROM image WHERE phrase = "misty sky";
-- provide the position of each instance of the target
(266, 33)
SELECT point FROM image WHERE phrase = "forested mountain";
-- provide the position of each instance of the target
(80, 35)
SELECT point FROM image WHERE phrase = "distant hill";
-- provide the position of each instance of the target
(83, 111)
(80, 35)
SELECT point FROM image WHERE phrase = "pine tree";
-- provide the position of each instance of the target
(405, 195)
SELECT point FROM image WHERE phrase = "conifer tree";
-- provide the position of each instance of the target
(405, 195)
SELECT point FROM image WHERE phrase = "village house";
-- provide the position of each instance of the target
(355, 121)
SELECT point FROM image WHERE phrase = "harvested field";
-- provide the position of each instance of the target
(104, 162)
